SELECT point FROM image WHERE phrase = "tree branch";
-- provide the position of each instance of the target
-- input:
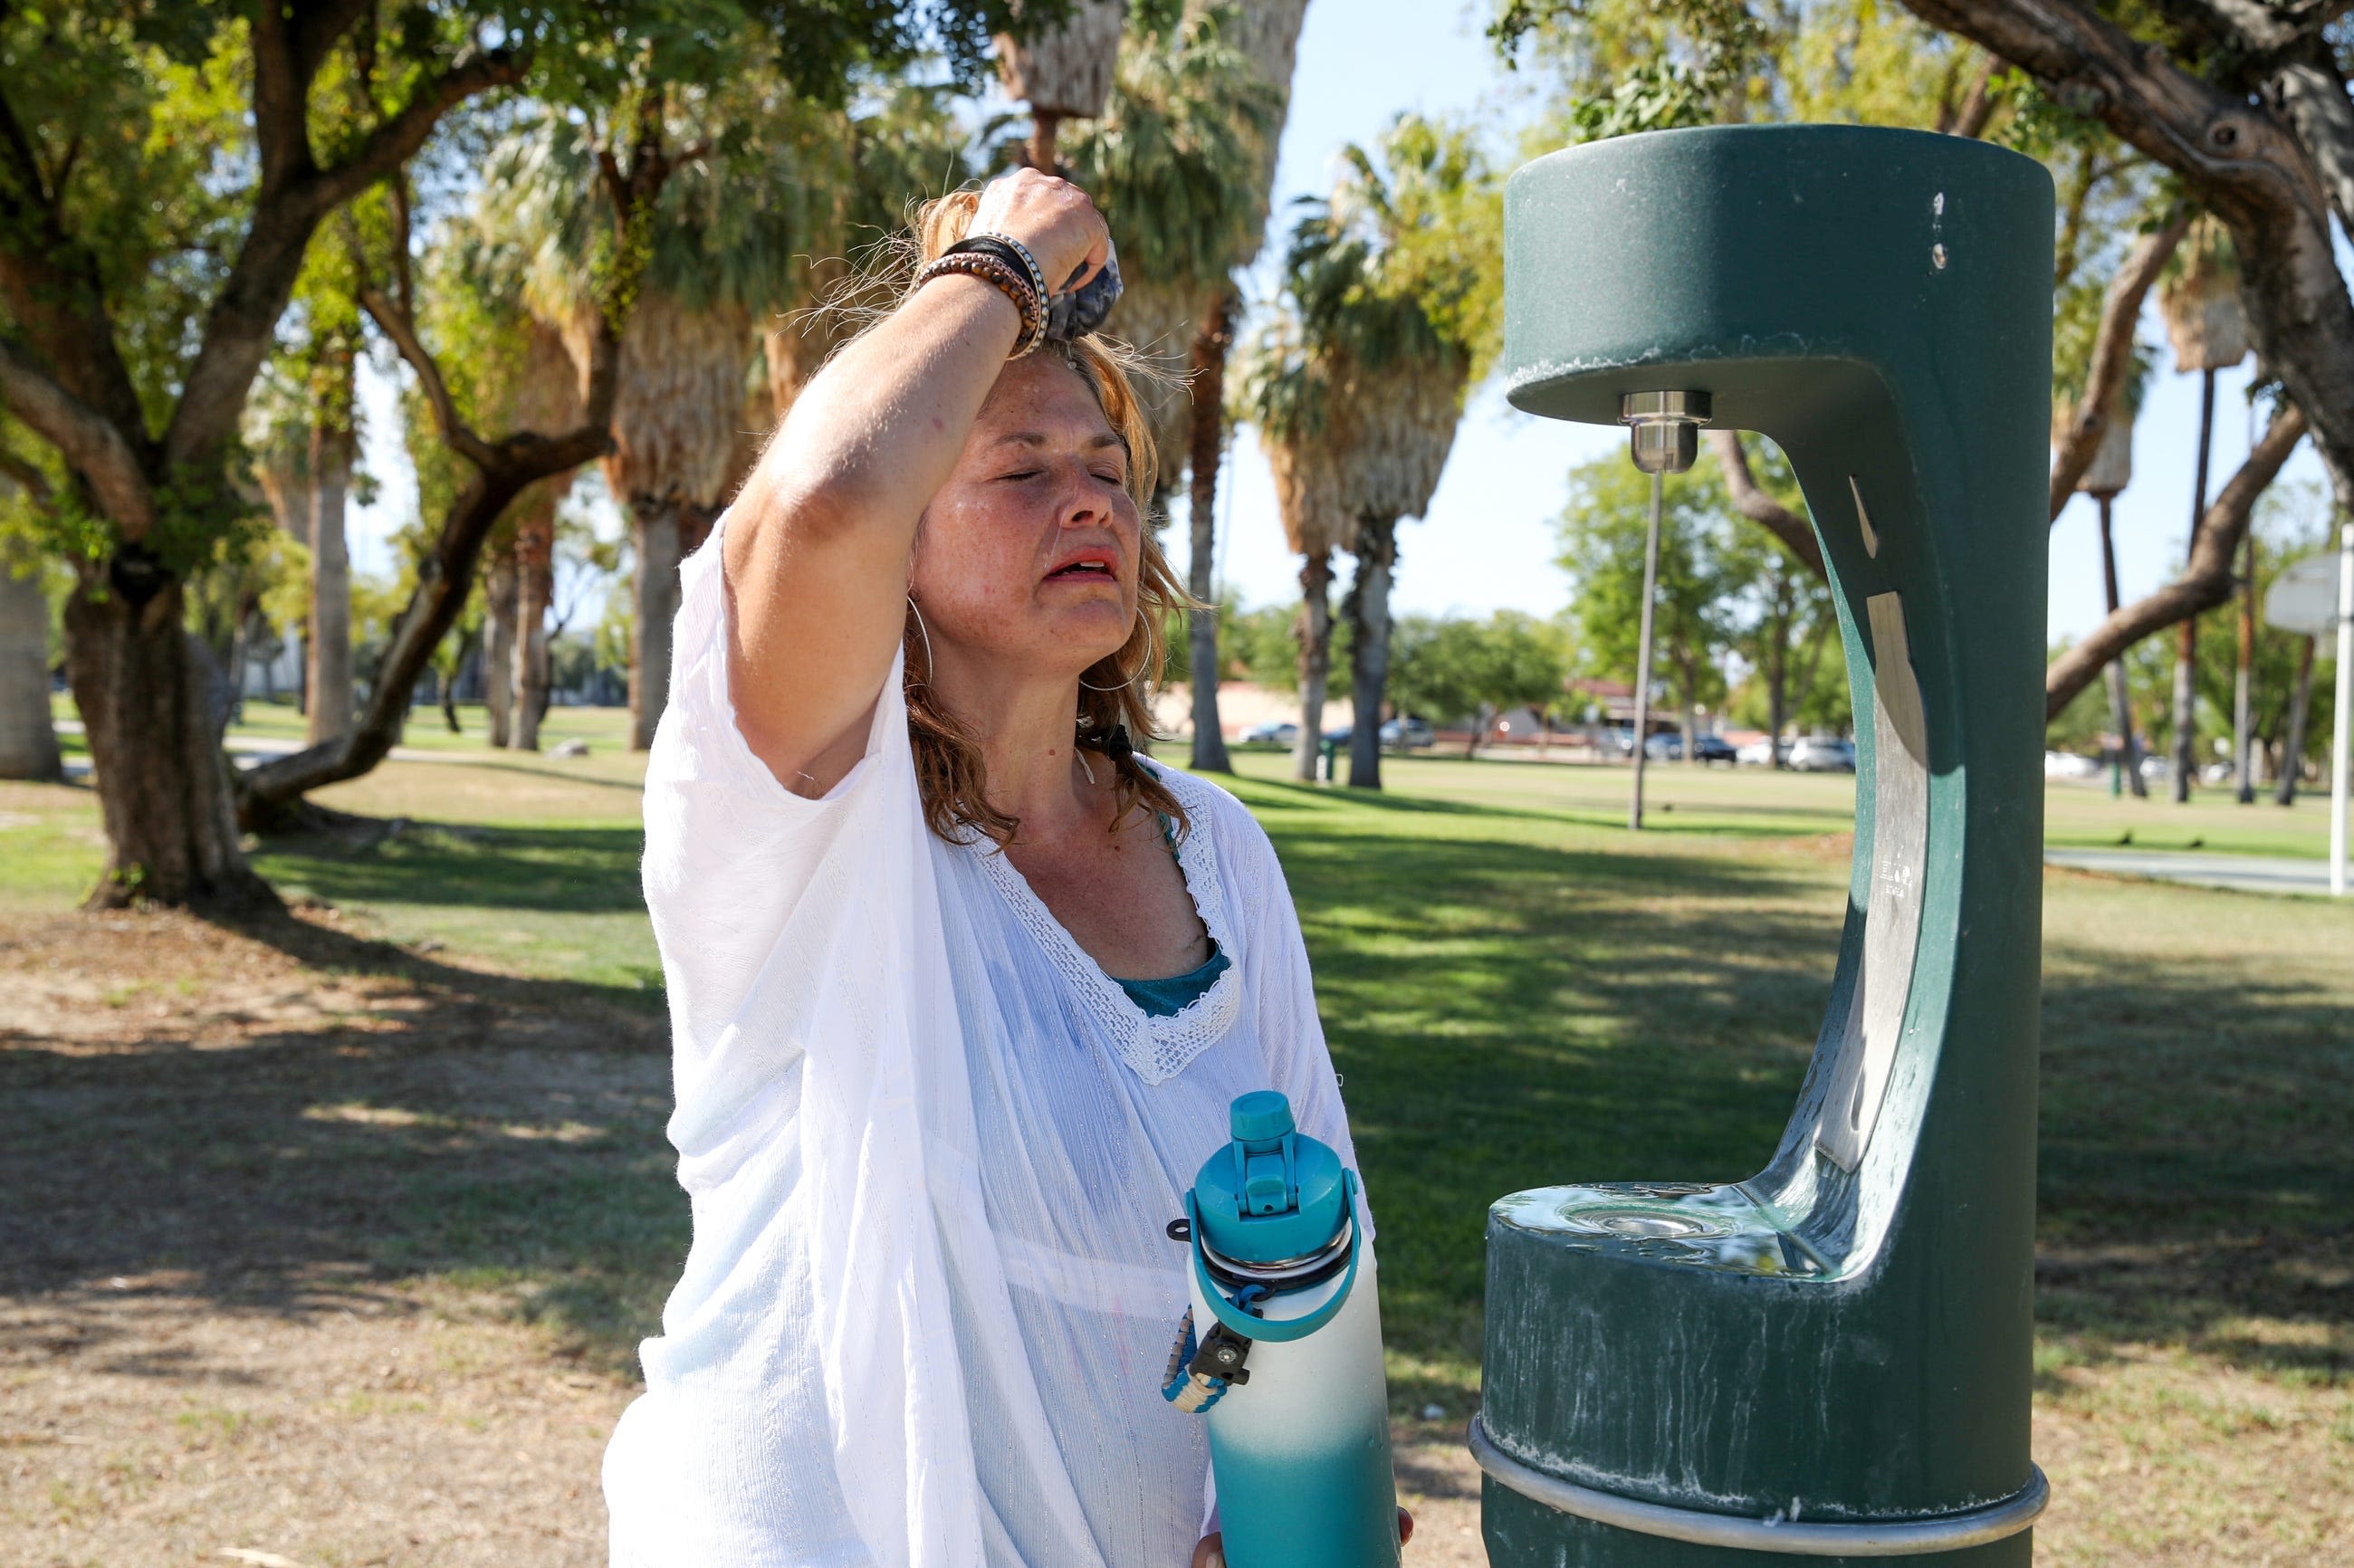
(2111, 356)
(88, 442)
(393, 142)
(2311, 96)
(245, 313)
(456, 433)
(2207, 581)
(1977, 104)
(28, 478)
(1796, 535)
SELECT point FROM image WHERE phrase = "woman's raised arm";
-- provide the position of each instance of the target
(817, 547)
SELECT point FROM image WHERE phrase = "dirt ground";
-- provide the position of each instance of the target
(247, 1314)
(322, 1251)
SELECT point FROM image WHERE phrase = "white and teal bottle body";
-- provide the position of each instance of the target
(1299, 1436)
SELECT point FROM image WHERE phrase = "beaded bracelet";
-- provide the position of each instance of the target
(990, 242)
(996, 272)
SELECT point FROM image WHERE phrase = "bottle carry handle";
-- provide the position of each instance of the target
(1271, 1331)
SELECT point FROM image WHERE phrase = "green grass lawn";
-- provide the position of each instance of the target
(1518, 993)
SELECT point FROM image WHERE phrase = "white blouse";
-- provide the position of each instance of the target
(931, 1150)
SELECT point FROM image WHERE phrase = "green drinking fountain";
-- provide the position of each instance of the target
(1831, 1358)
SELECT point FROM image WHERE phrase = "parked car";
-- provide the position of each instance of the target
(1407, 732)
(1823, 753)
(1342, 736)
(2071, 765)
(1617, 742)
(1279, 732)
(1664, 748)
(1761, 753)
(1707, 749)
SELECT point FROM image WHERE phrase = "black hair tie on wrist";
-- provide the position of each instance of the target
(1117, 747)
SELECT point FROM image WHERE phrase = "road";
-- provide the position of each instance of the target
(2240, 873)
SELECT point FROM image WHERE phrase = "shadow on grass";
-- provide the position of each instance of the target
(2195, 1184)
(1507, 1015)
(469, 1131)
(571, 870)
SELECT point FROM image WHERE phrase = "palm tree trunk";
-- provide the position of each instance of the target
(2129, 764)
(1315, 632)
(28, 740)
(328, 712)
(2300, 708)
(2241, 761)
(1206, 392)
(1369, 646)
(500, 604)
(2185, 644)
(535, 574)
(656, 605)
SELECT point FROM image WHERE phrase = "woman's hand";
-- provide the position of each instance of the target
(817, 549)
(1212, 1550)
(1054, 217)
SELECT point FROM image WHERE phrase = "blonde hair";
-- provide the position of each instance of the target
(1114, 691)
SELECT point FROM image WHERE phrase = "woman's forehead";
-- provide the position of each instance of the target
(1044, 399)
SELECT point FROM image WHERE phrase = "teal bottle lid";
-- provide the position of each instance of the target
(1273, 1193)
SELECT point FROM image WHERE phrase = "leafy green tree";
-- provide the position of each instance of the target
(1703, 575)
(2119, 148)
(1460, 668)
(1262, 642)
(163, 173)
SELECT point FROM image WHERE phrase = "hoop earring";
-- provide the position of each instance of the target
(1121, 687)
(925, 634)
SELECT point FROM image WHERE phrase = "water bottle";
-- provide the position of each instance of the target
(1281, 1352)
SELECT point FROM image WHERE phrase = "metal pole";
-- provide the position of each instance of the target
(1643, 658)
(2342, 725)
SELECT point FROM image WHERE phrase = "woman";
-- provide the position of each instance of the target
(897, 848)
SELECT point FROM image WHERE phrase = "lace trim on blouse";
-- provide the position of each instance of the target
(1156, 1049)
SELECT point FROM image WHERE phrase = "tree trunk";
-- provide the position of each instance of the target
(328, 712)
(28, 740)
(499, 612)
(535, 581)
(1778, 679)
(2242, 763)
(1369, 646)
(2186, 640)
(1315, 633)
(2120, 696)
(1206, 394)
(140, 681)
(2299, 709)
(656, 605)
(1479, 723)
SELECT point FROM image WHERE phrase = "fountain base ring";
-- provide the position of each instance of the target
(1865, 1538)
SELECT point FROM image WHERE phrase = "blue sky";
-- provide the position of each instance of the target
(1487, 542)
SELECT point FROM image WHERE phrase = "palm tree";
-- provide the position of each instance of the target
(726, 225)
(2110, 472)
(1397, 279)
(1174, 162)
(548, 399)
(1064, 72)
(2209, 330)
(1283, 393)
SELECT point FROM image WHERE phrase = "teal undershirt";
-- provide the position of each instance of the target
(1167, 998)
